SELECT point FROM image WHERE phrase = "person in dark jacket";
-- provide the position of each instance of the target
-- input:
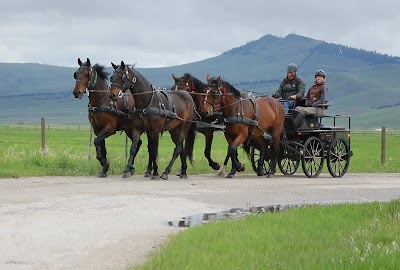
(292, 87)
(316, 95)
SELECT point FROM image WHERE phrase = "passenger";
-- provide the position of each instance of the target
(292, 87)
(316, 95)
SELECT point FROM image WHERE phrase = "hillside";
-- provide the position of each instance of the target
(361, 83)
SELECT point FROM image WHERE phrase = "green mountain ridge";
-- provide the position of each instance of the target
(362, 84)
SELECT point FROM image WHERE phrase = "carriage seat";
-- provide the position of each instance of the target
(319, 115)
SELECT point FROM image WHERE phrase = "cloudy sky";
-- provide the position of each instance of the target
(156, 33)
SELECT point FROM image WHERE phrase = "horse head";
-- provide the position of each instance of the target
(213, 96)
(121, 80)
(83, 77)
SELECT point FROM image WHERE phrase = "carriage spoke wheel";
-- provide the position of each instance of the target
(338, 157)
(255, 157)
(289, 159)
(313, 157)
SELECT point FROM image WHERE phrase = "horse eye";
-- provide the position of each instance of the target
(75, 75)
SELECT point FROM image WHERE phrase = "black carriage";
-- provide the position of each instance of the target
(311, 142)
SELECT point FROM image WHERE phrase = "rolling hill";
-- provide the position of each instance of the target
(361, 83)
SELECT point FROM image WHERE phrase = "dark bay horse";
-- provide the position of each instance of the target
(247, 119)
(106, 116)
(157, 111)
(195, 87)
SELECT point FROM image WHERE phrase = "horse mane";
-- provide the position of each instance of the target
(103, 74)
(196, 82)
(232, 89)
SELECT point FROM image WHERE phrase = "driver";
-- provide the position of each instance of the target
(292, 87)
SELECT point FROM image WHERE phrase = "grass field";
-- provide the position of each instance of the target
(68, 147)
(348, 236)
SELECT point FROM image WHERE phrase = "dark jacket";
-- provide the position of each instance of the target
(289, 88)
(316, 95)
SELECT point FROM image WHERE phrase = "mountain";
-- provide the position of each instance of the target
(361, 83)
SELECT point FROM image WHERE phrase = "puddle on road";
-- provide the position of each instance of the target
(234, 213)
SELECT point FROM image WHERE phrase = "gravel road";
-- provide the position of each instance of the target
(113, 223)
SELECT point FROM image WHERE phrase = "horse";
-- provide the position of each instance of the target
(247, 119)
(157, 111)
(195, 87)
(106, 116)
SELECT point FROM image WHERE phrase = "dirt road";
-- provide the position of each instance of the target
(91, 223)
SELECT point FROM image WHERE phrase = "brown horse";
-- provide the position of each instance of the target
(195, 87)
(106, 116)
(157, 111)
(247, 119)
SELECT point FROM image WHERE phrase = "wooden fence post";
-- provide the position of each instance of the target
(383, 145)
(43, 125)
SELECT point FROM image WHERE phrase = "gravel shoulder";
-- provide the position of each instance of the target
(113, 223)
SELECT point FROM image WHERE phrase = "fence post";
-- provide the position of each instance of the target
(383, 145)
(90, 142)
(43, 125)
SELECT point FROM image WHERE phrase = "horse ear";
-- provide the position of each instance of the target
(79, 62)
(174, 77)
(114, 65)
(208, 78)
(88, 62)
(122, 64)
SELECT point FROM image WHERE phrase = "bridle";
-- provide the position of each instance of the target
(218, 94)
(125, 78)
(92, 75)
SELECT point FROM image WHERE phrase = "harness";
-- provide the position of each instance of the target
(161, 109)
(112, 108)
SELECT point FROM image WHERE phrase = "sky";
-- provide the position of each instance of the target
(156, 33)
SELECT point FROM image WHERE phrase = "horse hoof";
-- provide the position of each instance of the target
(179, 173)
(215, 166)
(261, 173)
(102, 175)
(270, 175)
(183, 176)
(220, 174)
(126, 175)
(155, 177)
(147, 174)
(164, 176)
(241, 168)
(230, 176)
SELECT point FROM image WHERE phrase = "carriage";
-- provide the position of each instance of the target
(311, 143)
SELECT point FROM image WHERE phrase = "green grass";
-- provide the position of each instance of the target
(350, 236)
(67, 153)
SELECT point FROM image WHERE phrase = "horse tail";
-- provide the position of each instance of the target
(189, 142)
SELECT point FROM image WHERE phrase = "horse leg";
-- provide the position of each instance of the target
(232, 152)
(135, 146)
(221, 172)
(178, 140)
(153, 138)
(275, 153)
(101, 151)
(149, 164)
(209, 134)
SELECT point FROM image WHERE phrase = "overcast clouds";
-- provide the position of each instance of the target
(166, 33)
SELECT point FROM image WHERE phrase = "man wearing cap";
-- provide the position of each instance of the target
(292, 87)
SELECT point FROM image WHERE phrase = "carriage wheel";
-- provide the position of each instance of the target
(289, 160)
(313, 157)
(255, 156)
(338, 157)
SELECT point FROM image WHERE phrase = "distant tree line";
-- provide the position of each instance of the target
(256, 82)
(386, 106)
